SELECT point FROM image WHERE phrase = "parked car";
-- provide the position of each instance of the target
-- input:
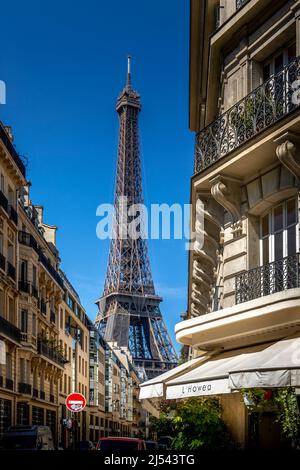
(151, 445)
(164, 442)
(28, 438)
(121, 444)
(86, 445)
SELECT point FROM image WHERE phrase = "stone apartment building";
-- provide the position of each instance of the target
(48, 345)
(74, 344)
(243, 290)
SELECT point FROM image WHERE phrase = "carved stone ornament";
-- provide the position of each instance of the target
(288, 152)
(227, 192)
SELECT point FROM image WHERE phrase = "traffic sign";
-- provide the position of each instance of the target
(75, 402)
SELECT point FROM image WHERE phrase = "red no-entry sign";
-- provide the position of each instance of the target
(75, 402)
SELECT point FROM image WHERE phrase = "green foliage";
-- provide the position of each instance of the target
(163, 425)
(288, 415)
(194, 423)
(283, 403)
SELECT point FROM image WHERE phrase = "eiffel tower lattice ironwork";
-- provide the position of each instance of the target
(129, 313)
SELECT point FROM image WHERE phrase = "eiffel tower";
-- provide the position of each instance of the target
(129, 310)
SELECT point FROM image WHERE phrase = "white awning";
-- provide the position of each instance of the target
(210, 378)
(155, 388)
(277, 365)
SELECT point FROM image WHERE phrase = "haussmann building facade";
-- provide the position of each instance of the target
(242, 326)
(49, 347)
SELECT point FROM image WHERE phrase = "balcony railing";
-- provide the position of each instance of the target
(10, 330)
(24, 336)
(3, 201)
(13, 214)
(11, 149)
(2, 261)
(46, 263)
(28, 240)
(11, 271)
(24, 388)
(264, 106)
(46, 350)
(274, 277)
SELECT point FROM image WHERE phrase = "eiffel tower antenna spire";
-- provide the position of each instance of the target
(129, 313)
(128, 83)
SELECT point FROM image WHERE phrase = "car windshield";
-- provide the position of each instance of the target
(118, 445)
(16, 442)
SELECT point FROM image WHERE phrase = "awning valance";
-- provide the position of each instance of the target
(277, 365)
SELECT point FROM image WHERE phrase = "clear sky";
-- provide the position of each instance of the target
(64, 63)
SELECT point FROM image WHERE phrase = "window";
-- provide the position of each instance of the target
(11, 197)
(278, 232)
(28, 367)
(2, 184)
(8, 366)
(34, 325)
(22, 370)
(276, 63)
(2, 303)
(24, 321)
(61, 318)
(10, 253)
(278, 249)
(34, 276)
(11, 310)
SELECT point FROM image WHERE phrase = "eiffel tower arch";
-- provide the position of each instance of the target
(129, 310)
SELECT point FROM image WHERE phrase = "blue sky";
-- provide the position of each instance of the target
(64, 63)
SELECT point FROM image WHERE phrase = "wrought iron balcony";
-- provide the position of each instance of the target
(3, 201)
(11, 271)
(28, 240)
(11, 149)
(2, 261)
(48, 351)
(52, 271)
(264, 106)
(24, 388)
(274, 277)
(9, 329)
(13, 214)
(24, 336)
